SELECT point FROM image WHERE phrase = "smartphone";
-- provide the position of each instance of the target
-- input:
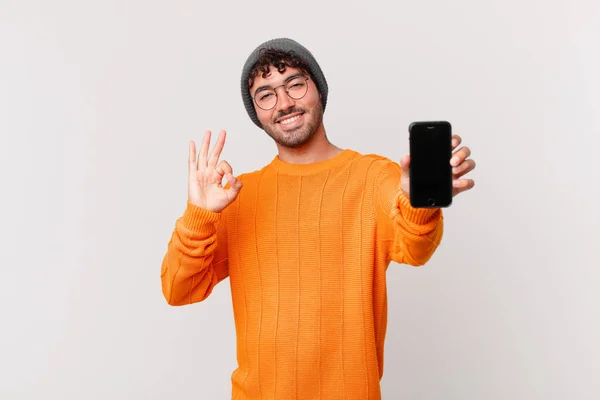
(430, 170)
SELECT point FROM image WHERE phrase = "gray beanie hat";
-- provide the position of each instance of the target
(284, 44)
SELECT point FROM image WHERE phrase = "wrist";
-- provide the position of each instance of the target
(417, 216)
(199, 219)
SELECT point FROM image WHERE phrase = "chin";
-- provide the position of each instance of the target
(298, 137)
(291, 139)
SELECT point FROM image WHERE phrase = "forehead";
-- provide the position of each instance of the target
(273, 77)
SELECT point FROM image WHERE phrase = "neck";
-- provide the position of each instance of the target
(317, 149)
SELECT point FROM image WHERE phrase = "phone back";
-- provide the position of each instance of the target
(430, 169)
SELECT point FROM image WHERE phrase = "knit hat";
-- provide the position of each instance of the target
(284, 44)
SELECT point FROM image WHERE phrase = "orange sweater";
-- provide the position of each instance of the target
(306, 248)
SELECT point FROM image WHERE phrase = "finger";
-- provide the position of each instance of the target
(459, 156)
(193, 166)
(224, 168)
(203, 154)
(216, 151)
(463, 168)
(234, 184)
(456, 140)
(460, 185)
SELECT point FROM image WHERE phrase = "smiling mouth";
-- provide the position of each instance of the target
(289, 120)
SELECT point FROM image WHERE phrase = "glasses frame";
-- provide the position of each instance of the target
(306, 79)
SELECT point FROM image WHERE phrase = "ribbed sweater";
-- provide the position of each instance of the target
(306, 248)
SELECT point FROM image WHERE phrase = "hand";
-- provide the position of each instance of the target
(460, 163)
(205, 187)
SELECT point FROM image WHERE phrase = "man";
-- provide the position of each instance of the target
(306, 240)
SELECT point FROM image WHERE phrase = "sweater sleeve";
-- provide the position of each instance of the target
(408, 235)
(196, 257)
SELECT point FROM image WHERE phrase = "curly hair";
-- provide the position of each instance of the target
(278, 59)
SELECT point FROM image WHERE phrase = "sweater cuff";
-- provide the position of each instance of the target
(199, 220)
(416, 216)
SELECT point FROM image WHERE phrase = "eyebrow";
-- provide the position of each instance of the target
(286, 80)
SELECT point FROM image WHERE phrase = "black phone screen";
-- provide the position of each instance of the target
(430, 169)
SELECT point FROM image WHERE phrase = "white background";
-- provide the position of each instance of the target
(98, 100)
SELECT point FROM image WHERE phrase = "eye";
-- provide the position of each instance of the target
(264, 96)
(296, 84)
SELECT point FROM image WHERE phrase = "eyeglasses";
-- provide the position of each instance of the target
(296, 88)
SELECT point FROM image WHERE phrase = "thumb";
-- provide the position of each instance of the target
(405, 176)
(405, 163)
(234, 184)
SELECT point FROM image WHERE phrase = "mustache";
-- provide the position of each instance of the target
(289, 111)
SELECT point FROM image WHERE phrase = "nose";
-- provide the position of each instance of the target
(284, 102)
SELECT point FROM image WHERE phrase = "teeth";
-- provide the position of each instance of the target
(290, 120)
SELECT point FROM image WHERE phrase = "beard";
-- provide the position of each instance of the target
(296, 137)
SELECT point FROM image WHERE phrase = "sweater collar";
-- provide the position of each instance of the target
(312, 168)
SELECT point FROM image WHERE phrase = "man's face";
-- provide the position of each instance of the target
(291, 123)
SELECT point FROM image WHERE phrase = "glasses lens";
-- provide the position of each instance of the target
(266, 99)
(297, 87)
